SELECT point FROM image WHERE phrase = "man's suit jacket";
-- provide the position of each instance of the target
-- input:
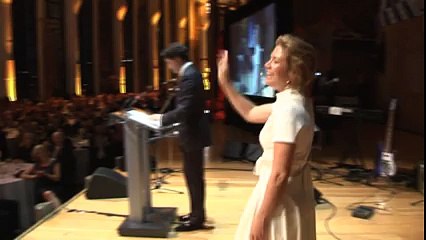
(194, 129)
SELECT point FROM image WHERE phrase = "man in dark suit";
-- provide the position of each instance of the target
(194, 130)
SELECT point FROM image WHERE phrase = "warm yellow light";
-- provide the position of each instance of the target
(8, 32)
(121, 12)
(183, 22)
(206, 83)
(155, 18)
(77, 84)
(156, 79)
(76, 6)
(10, 80)
(122, 80)
(205, 26)
(208, 7)
(192, 21)
(206, 75)
(7, 1)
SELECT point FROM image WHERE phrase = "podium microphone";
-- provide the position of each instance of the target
(171, 94)
(128, 103)
(334, 80)
(167, 103)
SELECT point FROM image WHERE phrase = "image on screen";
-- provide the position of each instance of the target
(252, 40)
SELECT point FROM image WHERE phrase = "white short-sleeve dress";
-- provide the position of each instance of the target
(291, 121)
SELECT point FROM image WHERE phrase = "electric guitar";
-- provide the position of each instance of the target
(386, 165)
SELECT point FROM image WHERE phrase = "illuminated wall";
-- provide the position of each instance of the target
(7, 64)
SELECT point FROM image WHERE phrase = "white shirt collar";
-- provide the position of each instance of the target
(289, 93)
(184, 67)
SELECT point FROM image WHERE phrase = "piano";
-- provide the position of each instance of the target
(358, 113)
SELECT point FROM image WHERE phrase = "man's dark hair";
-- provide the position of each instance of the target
(175, 50)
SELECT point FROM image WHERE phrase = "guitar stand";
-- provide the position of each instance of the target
(373, 180)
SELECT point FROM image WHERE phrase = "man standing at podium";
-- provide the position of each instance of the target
(194, 130)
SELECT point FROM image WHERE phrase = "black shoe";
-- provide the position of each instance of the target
(189, 226)
(184, 218)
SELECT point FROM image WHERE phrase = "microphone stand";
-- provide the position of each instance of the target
(159, 180)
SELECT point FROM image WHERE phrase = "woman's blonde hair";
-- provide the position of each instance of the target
(40, 151)
(301, 61)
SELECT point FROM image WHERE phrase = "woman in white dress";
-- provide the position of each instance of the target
(282, 205)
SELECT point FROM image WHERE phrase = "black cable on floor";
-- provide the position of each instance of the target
(103, 213)
(95, 212)
(417, 202)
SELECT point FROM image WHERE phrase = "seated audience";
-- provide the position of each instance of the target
(46, 172)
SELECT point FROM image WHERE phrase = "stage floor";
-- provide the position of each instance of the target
(227, 192)
(229, 185)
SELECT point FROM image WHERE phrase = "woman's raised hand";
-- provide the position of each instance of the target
(222, 67)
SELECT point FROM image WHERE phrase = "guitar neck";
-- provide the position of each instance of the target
(388, 138)
(390, 127)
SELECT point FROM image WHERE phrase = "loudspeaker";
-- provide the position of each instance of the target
(233, 150)
(253, 152)
(106, 183)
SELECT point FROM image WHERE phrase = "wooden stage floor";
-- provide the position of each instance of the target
(227, 192)
(229, 185)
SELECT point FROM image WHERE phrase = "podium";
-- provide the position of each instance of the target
(144, 220)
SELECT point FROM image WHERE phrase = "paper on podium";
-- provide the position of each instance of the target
(143, 118)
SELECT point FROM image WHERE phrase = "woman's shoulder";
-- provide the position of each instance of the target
(289, 106)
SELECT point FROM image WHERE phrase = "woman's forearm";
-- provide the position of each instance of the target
(53, 177)
(240, 103)
(28, 176)
(275, 190)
